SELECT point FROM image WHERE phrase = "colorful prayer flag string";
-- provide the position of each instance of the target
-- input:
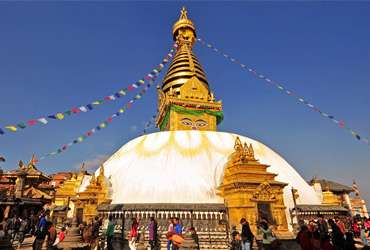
(104, 124)
(91, 106)
(149, 124)
(288, 92)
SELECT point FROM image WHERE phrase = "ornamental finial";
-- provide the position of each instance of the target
(184, 13)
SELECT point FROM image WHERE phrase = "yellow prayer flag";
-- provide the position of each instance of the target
(11, 128)
(60, 116)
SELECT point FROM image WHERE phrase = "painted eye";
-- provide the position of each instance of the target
(201, 123)
(187, 122)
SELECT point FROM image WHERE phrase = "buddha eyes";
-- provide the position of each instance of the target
(186, 122)
(200, 123)
(197, 123)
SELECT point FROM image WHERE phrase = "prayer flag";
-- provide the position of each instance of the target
(117, 95)
(59, 116)
(1, 132)
(69, 112)
(130, 87)
(89, 106)
(83, 109)
(42, 120)
(11, 128)
(122, 92)
(32, 122)
(52, 116)
(21, 125)
(75, 110)
(110, 119)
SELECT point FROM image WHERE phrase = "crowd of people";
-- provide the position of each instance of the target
(245, 240)
(15, 228)
(315, 234)
(333, 234)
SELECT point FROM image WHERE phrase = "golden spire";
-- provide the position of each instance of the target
(185, 64)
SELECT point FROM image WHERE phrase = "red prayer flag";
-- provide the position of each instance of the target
(110, 119)
(130, 87)
(107, 98)
(32, 122)
(89, 133)
(75, 110)
(128, 105)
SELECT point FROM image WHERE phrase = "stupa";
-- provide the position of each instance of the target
(209, 179)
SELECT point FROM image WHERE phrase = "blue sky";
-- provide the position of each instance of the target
(55, 56)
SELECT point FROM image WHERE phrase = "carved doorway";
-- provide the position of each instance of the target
(264, 212)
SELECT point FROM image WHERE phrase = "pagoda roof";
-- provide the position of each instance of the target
(28, 170)
(332, 186)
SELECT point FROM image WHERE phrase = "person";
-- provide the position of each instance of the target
(246, 235)
(153, 233)
(356, 230)
(40, 234)
(323, 227)
(195, 237)
(110, 233)
(133, 234)
(315, 241)
(326, 244)
(170, 231)
(3, 229)
(304, 238)
(349, 244)
(177, 239)
(60, 238)
(52, 235)
(95, 233)
(267, 237)
(22, 231)
(340, 225)
(337, 236)
(236, 243)
(363, 235)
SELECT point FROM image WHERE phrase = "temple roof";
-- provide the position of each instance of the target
(28, 170)
(332, 186)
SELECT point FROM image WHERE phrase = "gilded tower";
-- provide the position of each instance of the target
(185, 100)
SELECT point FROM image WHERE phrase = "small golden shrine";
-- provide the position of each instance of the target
(78, 198)
(185, 101)
(251, 192)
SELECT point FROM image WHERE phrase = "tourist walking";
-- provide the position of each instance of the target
(41, 232)
(153, 233)
(133, 234)
(110, 233)
(337, 237)
(247, 236)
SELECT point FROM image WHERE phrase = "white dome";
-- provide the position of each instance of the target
(187, 167)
